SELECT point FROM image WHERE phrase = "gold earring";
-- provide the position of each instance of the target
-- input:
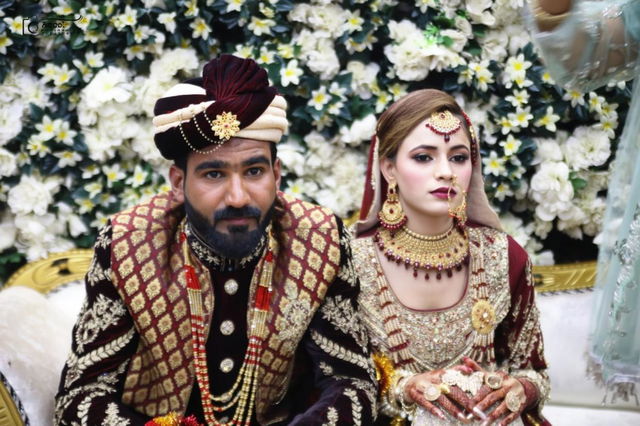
(391, 215)
(458, 213)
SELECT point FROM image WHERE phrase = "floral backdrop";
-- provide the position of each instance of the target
(78, 81)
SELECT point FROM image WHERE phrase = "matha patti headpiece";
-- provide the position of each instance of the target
(443, 123)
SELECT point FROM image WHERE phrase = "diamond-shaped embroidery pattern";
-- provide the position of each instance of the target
(158, 376)
(310, 239)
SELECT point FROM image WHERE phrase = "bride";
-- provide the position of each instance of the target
(447, 297)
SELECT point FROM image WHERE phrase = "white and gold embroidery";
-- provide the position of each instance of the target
(113, 417)
(76, 365)
(337, 351)
(103, 313)
(342, 316)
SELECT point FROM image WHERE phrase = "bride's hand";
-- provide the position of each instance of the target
(499, 388)
(428, 391)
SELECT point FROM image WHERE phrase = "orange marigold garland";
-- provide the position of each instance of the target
(173, 419)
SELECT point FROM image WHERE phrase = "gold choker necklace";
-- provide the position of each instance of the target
(440, 253)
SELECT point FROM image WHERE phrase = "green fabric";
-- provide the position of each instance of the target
(587, 38)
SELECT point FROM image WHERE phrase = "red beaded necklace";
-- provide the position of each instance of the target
(242, 393)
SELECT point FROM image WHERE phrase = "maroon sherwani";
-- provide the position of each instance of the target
(132, 356)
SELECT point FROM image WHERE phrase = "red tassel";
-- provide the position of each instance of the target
(191, 277)
(263, 296)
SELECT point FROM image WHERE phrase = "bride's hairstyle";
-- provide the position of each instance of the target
(403, 116)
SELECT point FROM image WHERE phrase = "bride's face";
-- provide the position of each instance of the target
(424, 167)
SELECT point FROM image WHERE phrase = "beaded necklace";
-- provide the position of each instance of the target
(243, 391)
(441, 253)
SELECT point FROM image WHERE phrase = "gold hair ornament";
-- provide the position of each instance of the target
(443, 123)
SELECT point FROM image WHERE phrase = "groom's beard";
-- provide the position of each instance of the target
(239, 242)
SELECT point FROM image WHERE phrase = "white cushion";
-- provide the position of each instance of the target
(36, 338)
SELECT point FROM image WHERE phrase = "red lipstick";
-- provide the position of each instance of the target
(444, 192)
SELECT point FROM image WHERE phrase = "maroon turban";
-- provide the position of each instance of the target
(233, 98)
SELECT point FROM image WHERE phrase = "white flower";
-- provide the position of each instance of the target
(101, 146)
(478, 13)
(5, 42)
(319, 98)
(323, 60)
(520, 119)
(354, 21)
(514, 226)
(172, 61)
(363, 77)
(570, 221)
(64, 134)
(15, 24)
(551, 189)
(8, 164)
(37, 146)
(63, 8)
(594, 209)
(290, 74)
(301, 188)
(127, 19)
(329, 21)
(483, 77)
(291, 156)
(10, 121)
(608, 124)
(519, 98)
(32, 195)
(63, 75)
(511, 146)
(548, 150)
(596, 102)
(587, 147)
(234, 5)
(68, 158)
(74, 223)
(8, 231)
(134, 52)
(111, 84)
(200, 28)
(494, 45)
(516, 67)
(113, 173)
(360, 130)
(548, 120)
(576, 98)
(261, 26)
(168, 19)
(413, 56)
(494, 165)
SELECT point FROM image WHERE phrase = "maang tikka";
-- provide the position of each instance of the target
(443, 123)
(391, 215)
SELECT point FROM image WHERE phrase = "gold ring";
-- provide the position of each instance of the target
(432, 392)
(444, 388)
(493, 380)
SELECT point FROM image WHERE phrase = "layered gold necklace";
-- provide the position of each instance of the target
(441, 253)
(243, 392)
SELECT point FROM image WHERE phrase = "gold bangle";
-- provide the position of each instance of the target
(407, 408)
